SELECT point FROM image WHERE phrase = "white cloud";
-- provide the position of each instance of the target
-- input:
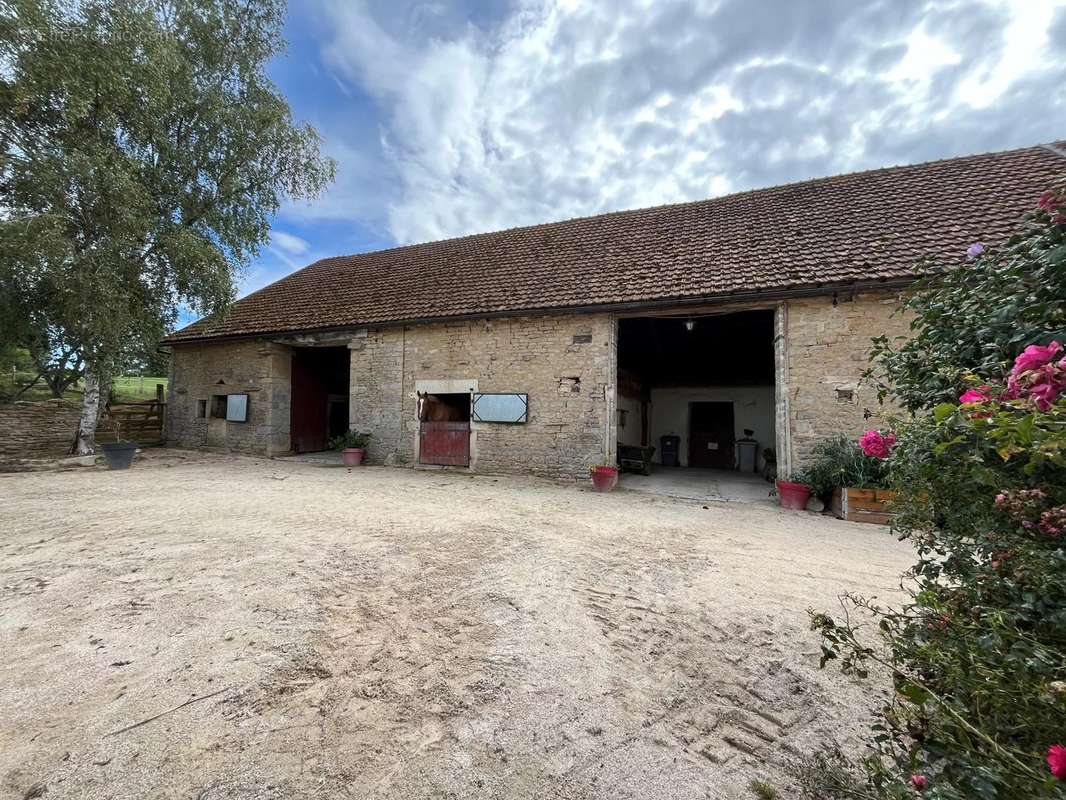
(288, 243)
(561, 110)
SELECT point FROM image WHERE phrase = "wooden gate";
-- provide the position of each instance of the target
(444, 443)
(136, 422)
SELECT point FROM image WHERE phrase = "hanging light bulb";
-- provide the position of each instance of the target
(690, 325)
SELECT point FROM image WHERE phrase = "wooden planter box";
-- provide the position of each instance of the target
(863, 505)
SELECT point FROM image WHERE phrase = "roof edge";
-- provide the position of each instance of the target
(635, 305)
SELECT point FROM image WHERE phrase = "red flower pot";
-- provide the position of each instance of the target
(352, 456)
(604, 478)
(793, 495)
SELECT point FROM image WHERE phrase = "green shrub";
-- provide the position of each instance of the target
(977, 654)
(839, 462)
(971, 321)
(350, 439)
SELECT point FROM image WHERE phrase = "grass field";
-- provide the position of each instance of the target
(136, 387)
(128, 388)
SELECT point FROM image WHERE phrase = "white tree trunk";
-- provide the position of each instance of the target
(97, 389)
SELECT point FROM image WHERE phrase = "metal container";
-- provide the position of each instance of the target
(747, 455)
(671, 449)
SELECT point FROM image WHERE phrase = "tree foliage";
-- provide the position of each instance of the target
(978, 653)
(143, 154)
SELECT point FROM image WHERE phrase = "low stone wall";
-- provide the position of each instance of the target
(45, 429)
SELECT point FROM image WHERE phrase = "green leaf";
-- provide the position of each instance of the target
(943, 411)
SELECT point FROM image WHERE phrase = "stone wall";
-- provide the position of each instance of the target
(42, 429)
(376, 390)
(826, 351)
(566, 363)
(199, 372)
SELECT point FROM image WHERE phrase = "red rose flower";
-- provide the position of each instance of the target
(1056, 759)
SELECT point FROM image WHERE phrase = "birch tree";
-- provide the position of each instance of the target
(143, 154)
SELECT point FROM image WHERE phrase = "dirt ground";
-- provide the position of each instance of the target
(389, 633)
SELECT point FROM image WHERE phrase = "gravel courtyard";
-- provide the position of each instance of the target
(389, 633)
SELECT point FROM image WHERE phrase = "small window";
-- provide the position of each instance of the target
(218, 406)
(201, 409)
(501, 407)
(237, 408)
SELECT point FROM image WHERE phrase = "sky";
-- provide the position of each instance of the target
(448, 118)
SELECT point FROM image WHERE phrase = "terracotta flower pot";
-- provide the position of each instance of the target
(793, 496)
(604, 478)
(352, 456)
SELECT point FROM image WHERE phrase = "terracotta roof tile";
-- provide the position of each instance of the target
(856, 228)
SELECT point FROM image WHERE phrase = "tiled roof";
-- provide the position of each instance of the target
(865, 227)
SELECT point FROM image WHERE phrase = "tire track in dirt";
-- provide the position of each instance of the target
(718, 691)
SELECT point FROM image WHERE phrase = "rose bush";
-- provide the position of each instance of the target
(977, 655)
(970, 320)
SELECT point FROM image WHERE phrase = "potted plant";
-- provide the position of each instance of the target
(604, 477)
(352, 445)
(852, 476)
(119, 453)
(794, 492)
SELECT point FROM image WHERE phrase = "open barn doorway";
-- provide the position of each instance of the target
(320, 395)
(696, 403)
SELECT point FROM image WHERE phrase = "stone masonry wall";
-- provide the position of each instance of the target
(566, 363)
(254, 367)
(45, 429)
(376, 390)
(827, 354)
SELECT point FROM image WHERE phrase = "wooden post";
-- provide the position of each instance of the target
(159, 393)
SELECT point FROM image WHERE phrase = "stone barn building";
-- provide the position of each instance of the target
(742, 317)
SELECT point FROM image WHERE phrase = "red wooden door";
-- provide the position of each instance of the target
(309, 419)
(710, 436)
(444, 443)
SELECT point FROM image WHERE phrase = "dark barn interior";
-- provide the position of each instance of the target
(320, 377)
(723, 350)
(701, 381)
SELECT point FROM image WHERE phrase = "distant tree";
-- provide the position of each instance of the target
(39, 353)
(143, 152)
(56, 362)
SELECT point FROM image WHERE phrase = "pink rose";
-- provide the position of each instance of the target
(876, 444)
(1044, 394)
(1056, 759)
(1047, 201)
(974, 396)
(919, 782)
(1035, 356)
(1037, 375)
